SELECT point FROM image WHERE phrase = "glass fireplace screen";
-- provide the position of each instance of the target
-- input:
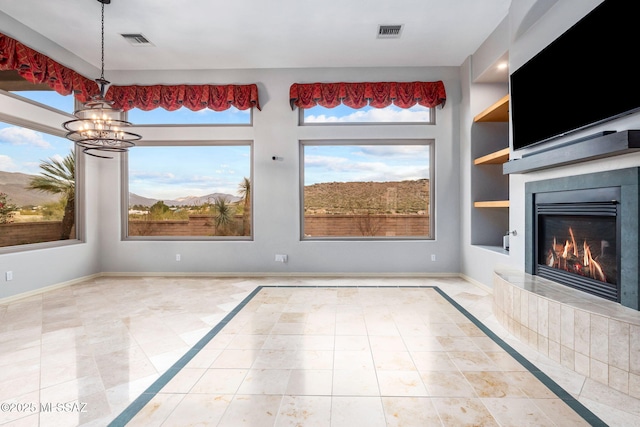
(579, 244)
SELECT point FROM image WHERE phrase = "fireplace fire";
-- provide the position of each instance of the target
(577, 260)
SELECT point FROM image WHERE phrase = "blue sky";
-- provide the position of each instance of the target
(184, 115)
(351, 163)
(155, 173)
(343, 114)
(50, 98)
(22, 150)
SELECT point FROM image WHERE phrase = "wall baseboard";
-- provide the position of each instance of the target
(481, 285)
(39, 291)
(271, 274)
(36, 292)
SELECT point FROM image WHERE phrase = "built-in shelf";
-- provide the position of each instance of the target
(498, 112)
(489, 186)
(491, 204)
(495, 158)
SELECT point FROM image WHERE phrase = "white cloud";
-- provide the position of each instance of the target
(336, 164)
(168, 186)
(393, 150)
(342, 169)
(151, 176)
(7, 164)
(358, 163)
(21, 136)
(330, 162)
(374, 115)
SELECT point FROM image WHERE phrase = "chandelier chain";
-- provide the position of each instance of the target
(102, 46)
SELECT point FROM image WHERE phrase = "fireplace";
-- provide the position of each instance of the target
(582, 232)
(576, 239)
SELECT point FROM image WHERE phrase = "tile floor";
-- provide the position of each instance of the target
(177, 351)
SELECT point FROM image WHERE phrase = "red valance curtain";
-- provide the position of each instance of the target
(358, 95)
(38, 68)
(193, 97)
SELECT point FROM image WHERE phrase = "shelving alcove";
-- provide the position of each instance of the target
(489, 186)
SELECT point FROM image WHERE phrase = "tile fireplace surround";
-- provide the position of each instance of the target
(594, 337)
(628, 183)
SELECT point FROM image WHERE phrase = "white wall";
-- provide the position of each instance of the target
(276, 186)
(35, 269)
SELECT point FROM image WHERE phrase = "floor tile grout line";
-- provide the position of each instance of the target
(138, 404)
(566, 397)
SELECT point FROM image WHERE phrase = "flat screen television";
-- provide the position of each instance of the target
(585, 77)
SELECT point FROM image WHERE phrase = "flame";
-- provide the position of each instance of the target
(567, 257)
(595, 271)
(565, 251)
(587, 254)
(573, 243)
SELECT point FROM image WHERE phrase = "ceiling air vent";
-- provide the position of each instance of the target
(137, 39)
(389, 31)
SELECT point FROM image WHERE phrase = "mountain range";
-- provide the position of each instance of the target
(14, 185)
(135, 199)
(333, 197)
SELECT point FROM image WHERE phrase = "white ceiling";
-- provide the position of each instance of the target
(241, 34)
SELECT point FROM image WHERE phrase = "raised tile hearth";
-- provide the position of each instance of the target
(594, 337)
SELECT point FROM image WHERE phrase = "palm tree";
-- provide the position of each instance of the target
(224, 219)
(59, 177)
(245, 192)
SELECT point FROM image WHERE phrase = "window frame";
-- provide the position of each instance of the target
(428, 142)
(80, 193)
(124, 196)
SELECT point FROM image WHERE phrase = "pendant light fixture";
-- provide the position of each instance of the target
(98, 127)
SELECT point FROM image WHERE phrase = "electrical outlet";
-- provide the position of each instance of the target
(433, 257)
(178, 257)
(8, 275)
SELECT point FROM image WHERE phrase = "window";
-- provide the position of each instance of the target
(49, 98)
(189, 192)
(11, 81)
(184, 116)
(37, 187)
(345, 115)
(374, 190)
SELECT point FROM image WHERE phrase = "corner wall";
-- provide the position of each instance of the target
(48, 266)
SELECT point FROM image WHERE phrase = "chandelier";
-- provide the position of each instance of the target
(98, 127)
